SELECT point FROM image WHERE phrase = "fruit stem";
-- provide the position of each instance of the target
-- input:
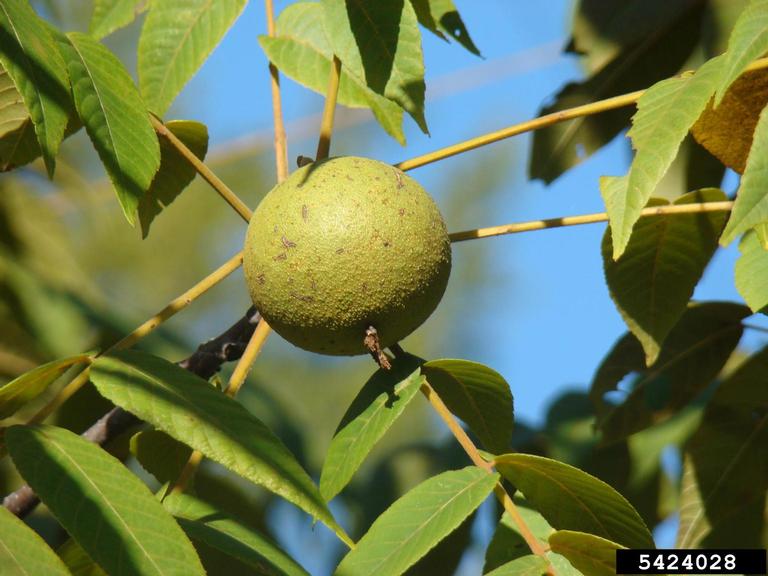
(216, 183)
(585, 219)
(329, 110)
(372, 344)
(280, 141)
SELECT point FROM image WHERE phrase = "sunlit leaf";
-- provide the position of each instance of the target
(524, 566)
(31, 58)
(589, 554)
(13, 113)
(175, 41)
(478, 395)
(160, 454)
(376, 407)
(725, 474)
(109, 511)
(417, 521)
(77, 561)
(749, 40)
(189, 409)
(29, 386)
(507, 543)
(751, 206)
(23, 552)
(204, 523)
(665, 114)
(751, 273)
(727, 131)
(380, 43)
(175, 172)
(441, 16)
(115, 119)
(301, 50)
(571, 499)
(654, 279)
(111, 15)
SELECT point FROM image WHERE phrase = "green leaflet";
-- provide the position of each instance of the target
(417, 521)
(665, 114)
(380, 44)
(175, 41)
(204, 523)
(524, 566)
(109, 511)
(751, 206)
(13, 113)
(189, 409)
(571, 499)
(30, 385)
(749, 40)
(77, 561)
(175, 172)
(23, 552)
(507, 544)
(301, 50)
(654, 279)
(115, 118)
(376, 407)
(111, 15)
(441, 16)
(30, 56)
(589, 554)
(159, 454)
(752, 272)
(478, 395)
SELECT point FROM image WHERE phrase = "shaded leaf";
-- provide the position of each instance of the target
(190, 410)
(524, 566)
(589, 554)
(111, 15)
(175, 172)
(77, 561)
(693, 355)
(751, 206)
(160, 454)
(23, 552)
(115, 119)
(748, 41)
(478, 395)
(202, 522)
(417, 521)
(380, 43)
(441, 16)
(30, 385)
(376, 407)
(654, 279)
(110, 513)
(31, 58)
(727, 131)
(665, 114)
(507, 544)
(175, 41)
(301, 50)
(751, 273)
(571, 499)
(725, 474)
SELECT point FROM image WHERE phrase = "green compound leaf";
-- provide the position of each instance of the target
(589, 554)
(751, 273)
(31, 58)
(380, 43)
(111, 15)
(751, 206)
(30, 385)
(571, 499)
(524, 566)
(665, 258)
(376, 407)
(301, 50)
(110, 512)
(23, 552)
(441, 17)
(190, 410)
(175, 40)
(508, 544)
(204, 523)
(115, 118)
(749, 40)
(665, 114)
(175, 172)
(415, 523)
(478, 395)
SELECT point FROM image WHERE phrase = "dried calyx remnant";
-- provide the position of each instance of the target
(342, 247)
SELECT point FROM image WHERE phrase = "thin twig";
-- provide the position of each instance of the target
(329, 110)
(532, 225)
(216, 183)
(280, 141)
